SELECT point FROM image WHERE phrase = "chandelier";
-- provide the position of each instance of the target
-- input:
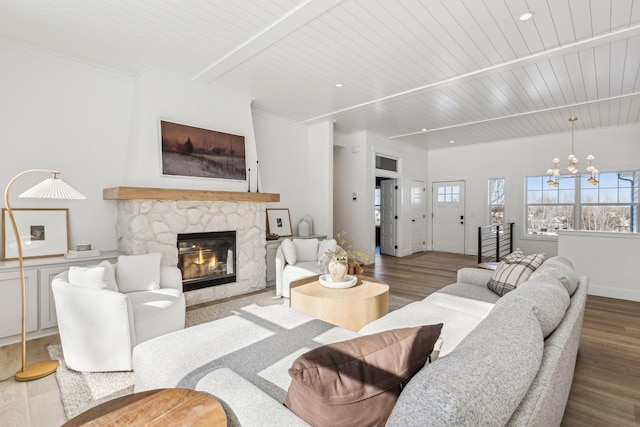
(554, 174)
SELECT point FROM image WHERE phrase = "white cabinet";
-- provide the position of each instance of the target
(11, 302)
(41, 318)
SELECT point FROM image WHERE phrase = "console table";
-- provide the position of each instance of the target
(350, 308)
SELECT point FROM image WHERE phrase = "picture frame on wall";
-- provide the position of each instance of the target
(279, 222)
(190, 151)
(43, 233)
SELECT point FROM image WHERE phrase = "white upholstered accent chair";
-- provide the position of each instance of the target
(100, 325)
(298, 258)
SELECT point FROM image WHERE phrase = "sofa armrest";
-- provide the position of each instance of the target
(96, 326)
(280, 264)
(474, 276)
(170, 277)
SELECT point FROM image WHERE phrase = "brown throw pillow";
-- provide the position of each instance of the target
(357, 382)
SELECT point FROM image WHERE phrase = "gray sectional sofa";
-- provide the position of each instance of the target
(503, 361)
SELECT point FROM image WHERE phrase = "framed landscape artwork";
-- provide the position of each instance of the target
(279, 222)
(43, 233)
(202, 153)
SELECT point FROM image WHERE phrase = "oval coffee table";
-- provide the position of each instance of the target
(350, 308)
(162, 407)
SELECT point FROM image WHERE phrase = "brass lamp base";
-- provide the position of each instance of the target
(37, 370)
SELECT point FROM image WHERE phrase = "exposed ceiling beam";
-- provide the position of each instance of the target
(296, 18)
(526, 113)
(473, 75)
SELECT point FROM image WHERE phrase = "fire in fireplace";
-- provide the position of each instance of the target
(207, 259)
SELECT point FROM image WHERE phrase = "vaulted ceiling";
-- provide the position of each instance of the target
(467, 71)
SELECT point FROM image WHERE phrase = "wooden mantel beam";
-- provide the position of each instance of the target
(142, 193)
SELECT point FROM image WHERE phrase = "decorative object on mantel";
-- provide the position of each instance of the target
(279, 222)
(257, 177)
(554, 174)
(205, 153)
(249, 181)
(304, 228)
(82, 254)
(50, 188)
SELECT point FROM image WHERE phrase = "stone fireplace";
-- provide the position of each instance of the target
(150, 220)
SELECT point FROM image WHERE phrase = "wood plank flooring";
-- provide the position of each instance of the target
(605, 391)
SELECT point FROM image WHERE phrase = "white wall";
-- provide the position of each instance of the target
(615, 149)
(161, 96)
(283, 148)
(320, 172)
(58, 114)
(355, 172)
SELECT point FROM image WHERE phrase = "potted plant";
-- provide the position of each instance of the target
(338, 260)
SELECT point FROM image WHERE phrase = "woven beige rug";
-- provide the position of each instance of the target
(439, 260)
(81, 391)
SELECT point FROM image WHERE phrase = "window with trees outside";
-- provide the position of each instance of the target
(576, 204)
(496, 200)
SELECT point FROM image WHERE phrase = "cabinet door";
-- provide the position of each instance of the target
(272, 249)
(11, 302)
(48, 316)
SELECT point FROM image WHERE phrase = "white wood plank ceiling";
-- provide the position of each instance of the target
(465, 70)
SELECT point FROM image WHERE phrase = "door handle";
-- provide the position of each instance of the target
(413, 220)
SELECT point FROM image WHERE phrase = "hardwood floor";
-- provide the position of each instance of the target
(605, 391)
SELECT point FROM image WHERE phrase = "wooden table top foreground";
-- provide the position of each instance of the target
(163, 407)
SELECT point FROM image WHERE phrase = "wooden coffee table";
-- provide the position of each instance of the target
(350, 308)
(163, 407)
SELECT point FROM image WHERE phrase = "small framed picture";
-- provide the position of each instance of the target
(43, 233)
(279, 222)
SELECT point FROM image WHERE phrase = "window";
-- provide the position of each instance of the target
(449, 194)
(496, 200)
(385, 163)
(575, 203)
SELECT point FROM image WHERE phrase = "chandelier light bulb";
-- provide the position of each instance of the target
(591, 157)
(555, 160)
(549, 171)
(590, 168)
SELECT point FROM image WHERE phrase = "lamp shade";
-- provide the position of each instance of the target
(52, 188)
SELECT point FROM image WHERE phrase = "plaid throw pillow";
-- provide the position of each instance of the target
(514, 256)
(507, 276)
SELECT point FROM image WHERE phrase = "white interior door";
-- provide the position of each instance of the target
(418, 216)
(448, 217)
(388, 217)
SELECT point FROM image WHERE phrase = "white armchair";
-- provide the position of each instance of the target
(99, 326)
(298, 258)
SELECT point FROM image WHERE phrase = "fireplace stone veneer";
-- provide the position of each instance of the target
(145, 226)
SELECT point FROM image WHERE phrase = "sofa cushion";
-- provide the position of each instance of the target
(109, 275)
(481, 382)
(356, 382)
(562, 269)
(306, 249)
(91, 277)
(513, 256)
(466, 290)
(138, 272)
(289, 251)
(544, 295)
(508, 276)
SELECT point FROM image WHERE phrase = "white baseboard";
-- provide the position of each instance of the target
(605, 291)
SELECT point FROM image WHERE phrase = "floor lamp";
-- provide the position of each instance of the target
(50, 188)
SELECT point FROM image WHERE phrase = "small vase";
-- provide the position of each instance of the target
(338, 269)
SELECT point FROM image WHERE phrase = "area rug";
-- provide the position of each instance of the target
(440, 260)
(83, 390)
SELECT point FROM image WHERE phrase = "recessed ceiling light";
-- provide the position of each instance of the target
(424, 129)
(526, 16)
(451, 142)
(339, 84)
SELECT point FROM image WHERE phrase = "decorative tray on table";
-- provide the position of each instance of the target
(349, 281)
